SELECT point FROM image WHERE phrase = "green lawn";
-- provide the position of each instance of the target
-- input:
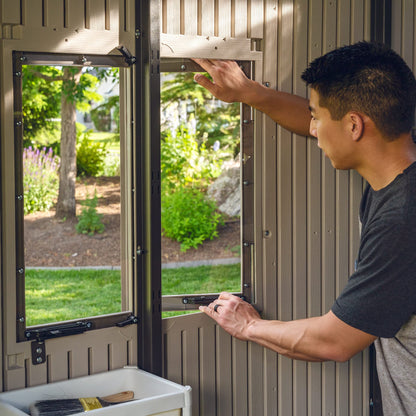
(111, 139)
(59, 295)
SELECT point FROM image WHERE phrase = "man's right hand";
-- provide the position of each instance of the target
(229, 83)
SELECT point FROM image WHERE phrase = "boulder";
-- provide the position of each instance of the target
(225, 190)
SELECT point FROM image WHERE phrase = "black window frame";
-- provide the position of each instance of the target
(187, 302)
(68, 327)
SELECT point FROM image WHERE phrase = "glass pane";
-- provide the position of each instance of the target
(72, 263)
(200, 174)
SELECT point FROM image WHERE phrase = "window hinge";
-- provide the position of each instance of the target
(128, 57)
(56, 331)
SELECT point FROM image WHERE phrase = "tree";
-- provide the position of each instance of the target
(48, 92)
(215, 121)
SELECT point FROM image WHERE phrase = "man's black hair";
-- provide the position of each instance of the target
(369, 78)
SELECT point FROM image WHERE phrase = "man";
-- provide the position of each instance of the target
(362, 103)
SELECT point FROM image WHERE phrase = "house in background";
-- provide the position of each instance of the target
(299, 220)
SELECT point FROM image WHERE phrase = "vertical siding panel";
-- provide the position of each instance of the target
(240, 19)
(35, 374)
(284, 207)
(240, 389)
(173, 15)
(224, 18)
(269, 204)
(117, 352)
(330, 26)
(57, 364)
(328, 271)
(75, 14)
(314, 219)
(78, 362)
(300, 207)
(255, 380)
(357, 20)
(96, 14)
(343, 23)
(98, 358)
(342, 273)
(207, 18)
(256, 19)
(224, 373)
(207, 373)
(173, 354)
(129, 23)
(33, 15)
(190, 355)
(407, 27)
(54, 13)
(10, 12)
(190, 17)
(113, 15)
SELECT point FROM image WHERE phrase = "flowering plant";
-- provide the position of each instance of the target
(40, 179)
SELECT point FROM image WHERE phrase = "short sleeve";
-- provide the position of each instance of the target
(380, 295)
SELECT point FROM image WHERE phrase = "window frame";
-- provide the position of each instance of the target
(189, 302)
(73, 326)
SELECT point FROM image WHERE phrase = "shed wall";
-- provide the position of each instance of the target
(78, 27)
(309, 210)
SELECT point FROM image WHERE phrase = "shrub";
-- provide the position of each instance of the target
(184, 161)
(40, 179)
(90, 156)
(189, 218)
(89, 221)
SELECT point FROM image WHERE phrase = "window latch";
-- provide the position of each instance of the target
(203, 299)
(129, 321)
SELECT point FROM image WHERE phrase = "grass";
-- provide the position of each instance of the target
(59, 295)
(111, 139)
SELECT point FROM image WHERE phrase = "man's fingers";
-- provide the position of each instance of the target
(205, 82)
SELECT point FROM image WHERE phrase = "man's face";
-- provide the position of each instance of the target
(331, 134)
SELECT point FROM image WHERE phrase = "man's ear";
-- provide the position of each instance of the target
(356, 125)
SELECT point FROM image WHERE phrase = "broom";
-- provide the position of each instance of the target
(62, 407)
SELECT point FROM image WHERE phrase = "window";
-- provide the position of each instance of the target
(203, 139)
(50, 91)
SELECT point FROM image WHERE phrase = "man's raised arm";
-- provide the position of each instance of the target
(230, 84)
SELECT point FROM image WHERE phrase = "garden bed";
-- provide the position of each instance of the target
(54, 243)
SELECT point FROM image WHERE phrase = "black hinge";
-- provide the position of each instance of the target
(56, 331)
(128, 57)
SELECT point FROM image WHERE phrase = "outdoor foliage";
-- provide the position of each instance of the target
(215, 121)
(89, 221)
(189, 217)
(103, 115)
(184, 161)
(91, 156)
(40, 179)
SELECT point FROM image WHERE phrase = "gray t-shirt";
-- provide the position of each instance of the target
(380, 296)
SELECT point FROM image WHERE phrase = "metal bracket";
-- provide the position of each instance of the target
(38, 352)
(56, 331)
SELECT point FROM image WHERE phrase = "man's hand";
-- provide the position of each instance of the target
(319, 338)
(229, 83)
(233, 314)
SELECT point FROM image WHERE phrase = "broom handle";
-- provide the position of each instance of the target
(124, 396)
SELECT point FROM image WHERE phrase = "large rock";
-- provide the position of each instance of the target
(226, 190)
